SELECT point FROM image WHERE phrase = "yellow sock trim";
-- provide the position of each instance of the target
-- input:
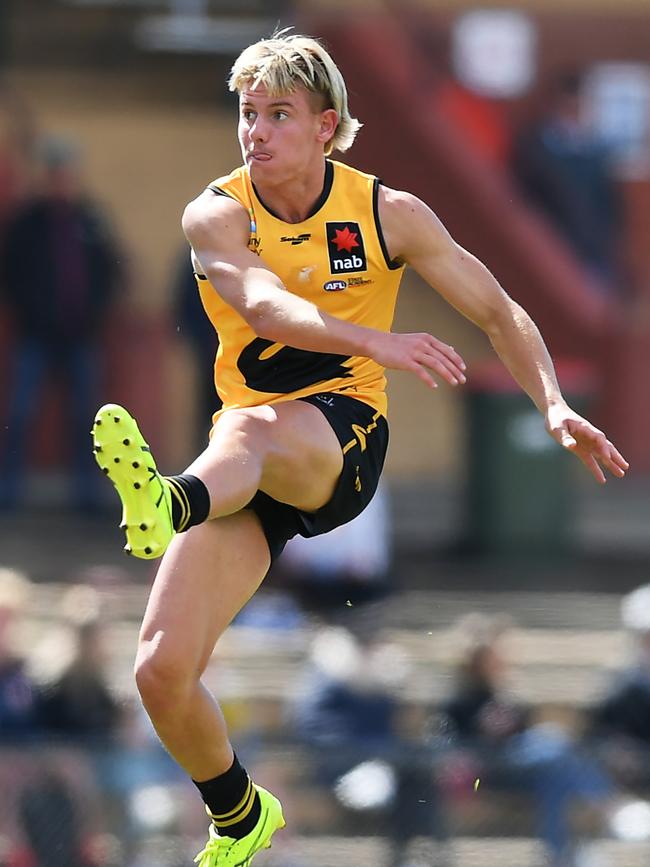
(243, 808)
(181, 499)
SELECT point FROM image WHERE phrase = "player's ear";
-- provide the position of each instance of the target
(329, 120)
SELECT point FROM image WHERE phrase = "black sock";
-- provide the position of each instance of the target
(190, 501)
(232, 801)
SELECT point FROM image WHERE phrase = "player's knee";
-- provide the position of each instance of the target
(162, 676)
(253, 425)
(246, 431)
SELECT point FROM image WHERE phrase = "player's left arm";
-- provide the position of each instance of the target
(415, 235)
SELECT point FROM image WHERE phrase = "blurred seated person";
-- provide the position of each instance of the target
(348, 714)
(17, 692)
(59, 276)
(492, 737)
(50, 816)
(349, 565)
(564, 170)
(618, 724)
(79, 703)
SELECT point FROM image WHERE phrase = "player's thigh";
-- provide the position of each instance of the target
(205, 577)
(299, 454)
(305, 459)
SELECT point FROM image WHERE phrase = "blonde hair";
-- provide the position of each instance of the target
(286, 61)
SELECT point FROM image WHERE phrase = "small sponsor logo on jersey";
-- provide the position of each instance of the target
(345, 248)
(255, 245)
(296, 239)
(358, 281)
(304, 275)
(334, 285)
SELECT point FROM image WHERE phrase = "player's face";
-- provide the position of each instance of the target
(281, 136)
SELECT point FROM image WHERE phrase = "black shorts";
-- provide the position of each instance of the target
(363, 434)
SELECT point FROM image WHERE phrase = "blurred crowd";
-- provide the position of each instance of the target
(76, 754)
(353, 749)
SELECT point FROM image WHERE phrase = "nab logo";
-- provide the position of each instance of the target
(345, 248)
(335, 285)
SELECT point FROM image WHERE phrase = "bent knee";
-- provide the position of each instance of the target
(247, 430)
(162, 675)
(249, 421)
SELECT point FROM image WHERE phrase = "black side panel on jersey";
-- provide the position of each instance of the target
(287, 369)
(393, 264)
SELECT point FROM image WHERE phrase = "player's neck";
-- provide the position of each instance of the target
(294, 199)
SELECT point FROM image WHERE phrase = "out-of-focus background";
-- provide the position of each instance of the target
(460, 677)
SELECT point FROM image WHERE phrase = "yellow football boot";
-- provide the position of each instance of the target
(124, 456)
(229, 852)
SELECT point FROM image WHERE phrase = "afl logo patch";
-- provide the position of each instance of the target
(335, 285)
(345, 248)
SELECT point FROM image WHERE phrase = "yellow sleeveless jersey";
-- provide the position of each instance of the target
(337, 259)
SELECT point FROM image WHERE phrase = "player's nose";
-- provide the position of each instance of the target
(258, 131)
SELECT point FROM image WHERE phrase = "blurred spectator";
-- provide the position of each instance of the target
(493, 738)
(79, 704)
(349, 565)
(619, 723)
(50, 820)
(17, 693)
(192, 324)
(564, 169)
(60, 273)
(348, 715)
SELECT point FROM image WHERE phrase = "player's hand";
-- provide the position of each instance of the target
(586, 442)
(421, 354)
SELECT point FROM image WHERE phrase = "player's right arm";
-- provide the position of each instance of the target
(218, 229)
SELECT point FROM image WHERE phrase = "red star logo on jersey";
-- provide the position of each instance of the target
(345, 240)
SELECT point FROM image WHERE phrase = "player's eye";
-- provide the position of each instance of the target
(281, 115)
(248, 114)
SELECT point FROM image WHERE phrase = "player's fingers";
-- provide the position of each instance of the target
(448, 351)
(589, 435)
(615, 462)
(565, 439)
(597, 443)
(616, 457)
(432, 347)
(593, 466)
(562, 435)
(422, 373)
(440, 369)
(443, 366)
